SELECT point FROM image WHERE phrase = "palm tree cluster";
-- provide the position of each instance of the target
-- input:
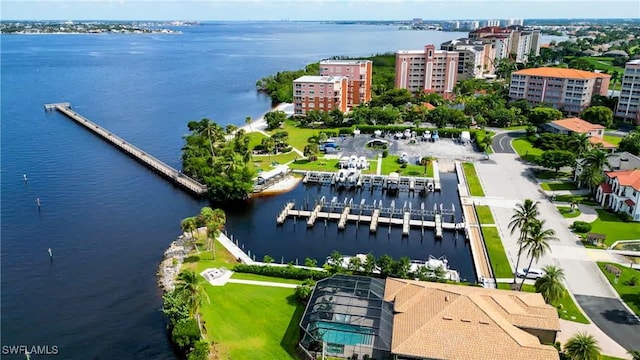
(581, 346)
(534, 238)
(225, 166)
(593, 163)
(213, 219)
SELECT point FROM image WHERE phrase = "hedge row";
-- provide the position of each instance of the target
(287, 272)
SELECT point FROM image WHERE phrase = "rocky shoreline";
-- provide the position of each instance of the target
(173, 258)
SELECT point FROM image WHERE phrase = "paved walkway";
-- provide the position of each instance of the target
(587, 213)
(507, 181)
(220, 277)
(379, 168)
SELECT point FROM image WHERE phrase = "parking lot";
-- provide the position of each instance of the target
(446, 149)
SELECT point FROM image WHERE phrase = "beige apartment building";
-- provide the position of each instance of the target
(323, 93)
(629, 101)
(568, 90)
(358, 73)
(515, 41)
(476, 57)
(428, 70)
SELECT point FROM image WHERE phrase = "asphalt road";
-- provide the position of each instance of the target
(612, 318)
(502, 143)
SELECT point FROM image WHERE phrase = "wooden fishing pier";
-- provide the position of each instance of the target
(160, 167)
(375, 214)
(390, 183)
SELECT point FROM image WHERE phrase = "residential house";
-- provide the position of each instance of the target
(615, 162)
(322, 93)
(569, 90)
(629, 100)
(359, 73)
(411, 320)
(578, 126)
(620, 192)
(428, 70)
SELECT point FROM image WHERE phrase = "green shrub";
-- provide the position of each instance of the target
(385, 153)
(174, 307)
(581, 227)
(200, 351)
(185, 334)
(632, 282)
(287, 272)
(345, 131)
(624, 216)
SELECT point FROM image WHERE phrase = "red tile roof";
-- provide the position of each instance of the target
(600, 141)
(577, 125)
(626, 178)
(561, 73)
(428, 106)
(629, 202)
(606, 188)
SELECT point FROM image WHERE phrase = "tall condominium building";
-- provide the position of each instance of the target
(427, 70)
(476, 57)
(514, 41)
(629, 101)
(359, 74)
(323, 93)
(565, 89)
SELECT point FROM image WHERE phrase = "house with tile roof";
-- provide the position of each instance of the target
(568, 90)
(620, 192)
(411, 320)
(576, 125)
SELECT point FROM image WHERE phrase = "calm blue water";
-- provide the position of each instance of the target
(108, 219)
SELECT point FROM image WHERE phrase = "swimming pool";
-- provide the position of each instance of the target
(344, 334)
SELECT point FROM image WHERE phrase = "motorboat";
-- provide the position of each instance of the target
(432, 264)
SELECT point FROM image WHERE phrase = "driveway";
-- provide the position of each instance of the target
(508, 181)
(502, 142)
(612, 317)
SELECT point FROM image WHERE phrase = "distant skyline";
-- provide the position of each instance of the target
(200, 10)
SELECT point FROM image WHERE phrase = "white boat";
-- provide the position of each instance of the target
(434, 263)
(345, 260)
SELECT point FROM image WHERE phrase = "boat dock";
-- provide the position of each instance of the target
(167, 171)
(375, 214)
(368, 181)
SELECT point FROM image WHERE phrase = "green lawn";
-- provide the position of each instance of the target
(576, 198)
(629, 294)
(517, 127)
(299, 137)
(484, 214)
(556, 186)
(566, 308)
(247, 321)
(606, 357)
(265, 162)
(319, 165)
(600, 63)
(614, 228)
(526, 150)
(246, 276)
(615, 140)
(497, 256)
(252, 322)
(390, 164)
(475, 188)
(568, 213)
(255, 138)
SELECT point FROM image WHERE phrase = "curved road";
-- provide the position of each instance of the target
(506, 182)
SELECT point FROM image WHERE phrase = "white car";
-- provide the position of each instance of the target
(531, 274)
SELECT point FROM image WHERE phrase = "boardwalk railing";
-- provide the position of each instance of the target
(167, 171)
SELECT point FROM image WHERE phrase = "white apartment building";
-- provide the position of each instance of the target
(621, 192)
(629, 101)
(475, 57)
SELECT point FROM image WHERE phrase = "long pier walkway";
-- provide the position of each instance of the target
(167, 171)
(478, 248)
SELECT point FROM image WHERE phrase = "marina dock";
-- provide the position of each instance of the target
(160, 167)
(375, 214)
(368, 181)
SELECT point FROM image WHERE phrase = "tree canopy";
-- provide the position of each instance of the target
(598, 115)
(631, 142)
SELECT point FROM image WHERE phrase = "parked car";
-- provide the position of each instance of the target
(531, 274)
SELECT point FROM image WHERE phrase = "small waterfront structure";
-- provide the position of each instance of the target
(268, 178)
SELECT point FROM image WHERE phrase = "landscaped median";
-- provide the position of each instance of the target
(497, 257)
(526, 150)
(473, 182)
(558, 186)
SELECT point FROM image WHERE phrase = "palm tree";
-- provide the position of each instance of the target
(212, 131)
(550, 285)
(525, 214)
(369, 264)
(581, 143)
(582, 346)
(537, 243)
(596, 159)
(269, 145)
(190, 225)
(335, 261)
(190, 285)
(354, 264)
(591, 177)
(615, 77)
(247, 121)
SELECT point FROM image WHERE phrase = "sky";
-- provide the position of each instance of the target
(314, 9)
